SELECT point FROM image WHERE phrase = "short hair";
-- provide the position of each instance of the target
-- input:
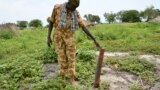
(74, 2)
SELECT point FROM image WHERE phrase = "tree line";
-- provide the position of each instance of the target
(121, 16)
(33, 23)
(126, 16)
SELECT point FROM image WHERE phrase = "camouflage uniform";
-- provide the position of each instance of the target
(65, 41)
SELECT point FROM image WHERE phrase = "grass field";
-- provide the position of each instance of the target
(144, 38)
(23, 54)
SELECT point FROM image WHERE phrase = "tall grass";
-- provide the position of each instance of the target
(7, 33)
(143, 37)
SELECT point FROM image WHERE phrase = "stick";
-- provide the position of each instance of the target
(98, 69)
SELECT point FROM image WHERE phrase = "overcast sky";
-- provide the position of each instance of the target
(13, 10)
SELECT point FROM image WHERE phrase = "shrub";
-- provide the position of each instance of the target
(35, 23)
(22, 24)
(7, 33)
(48, 55)
(86, 55)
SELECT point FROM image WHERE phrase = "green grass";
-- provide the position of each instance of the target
(22, 55)
(22, 58)
(142, 37)
(7, 33)
(136, 86)
(18, 63)
(132, 64)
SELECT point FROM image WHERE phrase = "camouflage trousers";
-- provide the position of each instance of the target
(66, 51)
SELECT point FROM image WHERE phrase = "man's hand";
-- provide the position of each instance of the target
(49, 42)
(97, 45)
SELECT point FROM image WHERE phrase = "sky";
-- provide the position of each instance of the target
(14, 10)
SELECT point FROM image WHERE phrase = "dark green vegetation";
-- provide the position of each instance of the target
(22, 24)
(32, 24)
(132, 15)
(22, 56)
(92, 18)
(35, 23)
(136, 66)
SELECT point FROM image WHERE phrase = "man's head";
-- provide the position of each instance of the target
(73, 4)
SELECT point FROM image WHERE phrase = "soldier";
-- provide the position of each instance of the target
(66, 19)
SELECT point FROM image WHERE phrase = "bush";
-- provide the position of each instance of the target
(35, 23)
(130, 16)
(7, 33)
(22, 24)
(86, 55)
(48, 55)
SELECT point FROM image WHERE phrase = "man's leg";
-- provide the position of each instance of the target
(63, 67)
(71, 56)
(60, 50)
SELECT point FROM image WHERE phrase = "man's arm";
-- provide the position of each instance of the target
(84, 28)
(50, 27)
(88, 33)
(51, 21)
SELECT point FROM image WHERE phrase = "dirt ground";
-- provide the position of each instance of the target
(119, 80)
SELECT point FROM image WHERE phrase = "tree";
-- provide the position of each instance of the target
(110, 17)
(130, 16)
(35, 23)
(92, 18)
(22, 24)
(119, 15)
(86, 16)
(96, 18)
(150, 13)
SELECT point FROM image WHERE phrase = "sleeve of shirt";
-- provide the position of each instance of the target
(52, 18)
(80, 20)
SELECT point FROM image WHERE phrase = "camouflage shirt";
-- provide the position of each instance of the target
(55, 18)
